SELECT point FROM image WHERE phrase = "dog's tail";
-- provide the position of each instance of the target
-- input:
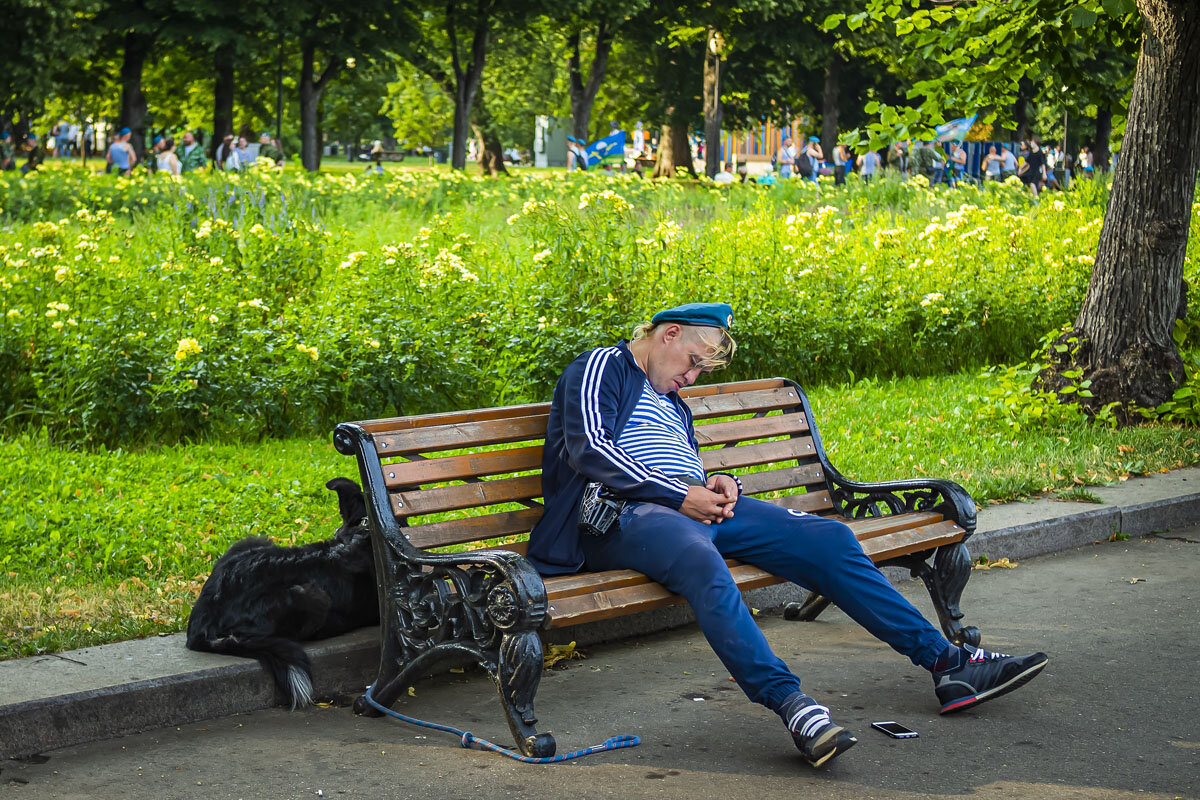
(285, 659)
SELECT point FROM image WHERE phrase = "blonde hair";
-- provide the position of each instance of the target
(720, 344)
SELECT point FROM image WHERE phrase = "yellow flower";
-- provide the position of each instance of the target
(216, 261)
(187, 347)
(13, 312)
(311, 352)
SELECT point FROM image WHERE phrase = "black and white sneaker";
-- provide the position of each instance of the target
(982, 676)
(816, 736)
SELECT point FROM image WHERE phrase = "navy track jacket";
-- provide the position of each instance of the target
(593, 400)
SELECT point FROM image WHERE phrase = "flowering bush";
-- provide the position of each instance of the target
(271, 303)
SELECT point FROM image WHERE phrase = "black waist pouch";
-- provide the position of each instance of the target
(598, 510)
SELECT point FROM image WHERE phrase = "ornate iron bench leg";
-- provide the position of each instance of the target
(517, 675)
(945, 581)
(807, 611)
(389, 683)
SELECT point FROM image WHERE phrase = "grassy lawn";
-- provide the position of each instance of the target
(109, 545)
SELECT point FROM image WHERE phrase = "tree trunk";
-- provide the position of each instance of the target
(491, 154)
(466, 84)
(1101, 155)
(829, 105)
(674, 154)
(223, 58)
(712, 104)
(1021, 109)
(133, 100)
(1124, 329)
(310, 103)
(583, 96)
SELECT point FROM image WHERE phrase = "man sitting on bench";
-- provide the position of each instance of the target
(620, 440)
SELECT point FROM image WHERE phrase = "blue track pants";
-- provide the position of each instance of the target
(819, 554)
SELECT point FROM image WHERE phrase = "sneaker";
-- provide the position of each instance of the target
(982, 676)
(816, 736)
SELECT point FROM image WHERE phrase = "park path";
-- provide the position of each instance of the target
(1113, 716)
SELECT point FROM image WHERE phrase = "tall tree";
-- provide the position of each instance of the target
(328, 38)
(1122, 338)
(39, 46)
(583, 94)
(449, 44)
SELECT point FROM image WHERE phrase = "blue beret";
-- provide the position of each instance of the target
(814, 138)
(264, 134)
(31, 135)
(123, 131)
(4, 135)
(708, 315)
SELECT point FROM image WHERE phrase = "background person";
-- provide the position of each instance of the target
(191, 154)
(1008, 162)
(785, 158)
(269, 151)
(167, 161)
(121, 156)
(812, 151)
(8, 153)
(868, 165)
(34, 154)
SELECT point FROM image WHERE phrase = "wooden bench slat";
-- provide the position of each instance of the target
(386, 425)
(731, 388)
(585, 582)
(624, 599)
(472, 465)
(474, 529)
(904, 542)
(719, 405)
(870, 527)
(740, 430)
(746, 455)
(389, 424)
(461, 435)
(863, 528)
(784, 478)
(466, 495)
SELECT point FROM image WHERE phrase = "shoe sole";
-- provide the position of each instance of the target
(1016, 682)
(838, 740)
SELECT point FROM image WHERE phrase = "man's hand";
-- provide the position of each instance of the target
(707, 506)
(727, 486)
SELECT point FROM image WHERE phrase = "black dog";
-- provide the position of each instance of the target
(262, 600)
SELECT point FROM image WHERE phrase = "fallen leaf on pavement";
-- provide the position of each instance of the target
(561, 652)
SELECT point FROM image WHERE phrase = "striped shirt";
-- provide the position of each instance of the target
(655, 436)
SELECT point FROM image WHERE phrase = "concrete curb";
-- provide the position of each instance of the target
(54, 701)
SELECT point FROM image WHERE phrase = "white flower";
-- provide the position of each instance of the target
(931, 298)
(545, 255)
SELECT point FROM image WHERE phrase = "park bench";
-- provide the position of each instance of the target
(440, 482)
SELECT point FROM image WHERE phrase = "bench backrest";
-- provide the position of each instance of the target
(463, 478)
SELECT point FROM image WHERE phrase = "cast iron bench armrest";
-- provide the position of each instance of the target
(856, 500)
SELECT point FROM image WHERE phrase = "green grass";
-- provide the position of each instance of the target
(106, 545)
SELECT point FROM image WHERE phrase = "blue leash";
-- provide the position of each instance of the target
(467, 739)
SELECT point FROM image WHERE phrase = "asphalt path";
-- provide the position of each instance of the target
(1115, 714)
